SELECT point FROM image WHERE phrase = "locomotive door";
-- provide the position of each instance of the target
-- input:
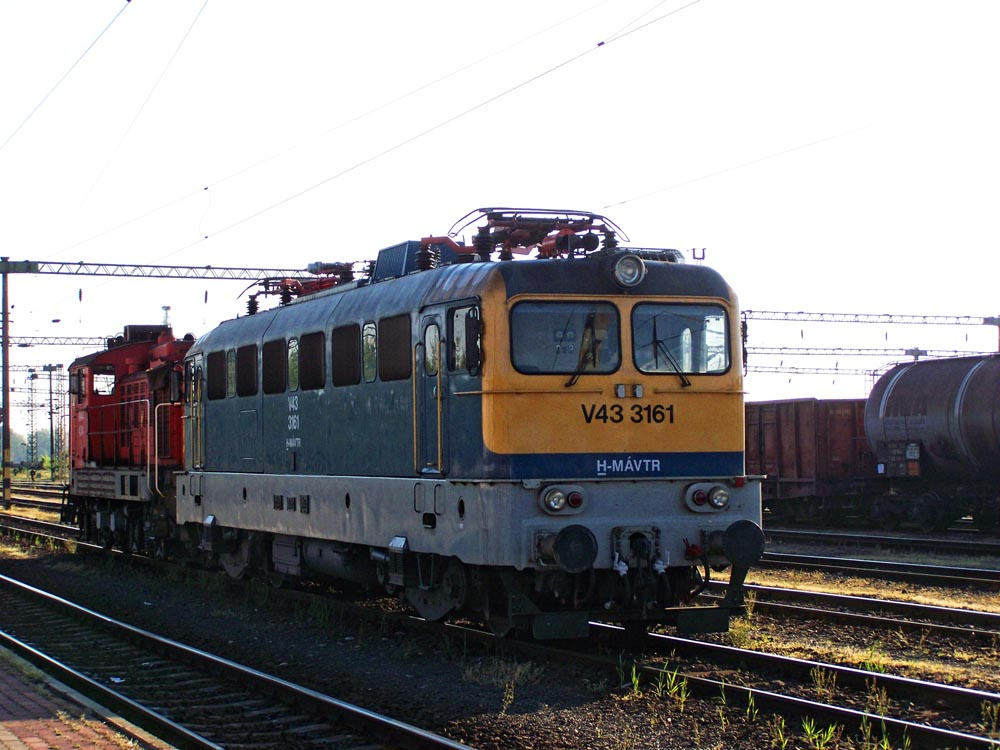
(430, 395)
(195, 427)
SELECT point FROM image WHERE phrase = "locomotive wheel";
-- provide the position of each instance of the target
(237, 562)
(635, 632)
(494, 606)
(433, 604)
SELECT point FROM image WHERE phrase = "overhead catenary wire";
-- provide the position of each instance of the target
(437, 126)
(214, 183)
(63, 77)
(152, 91)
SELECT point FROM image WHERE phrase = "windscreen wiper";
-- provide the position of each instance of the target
(588, 352)
(660, 346)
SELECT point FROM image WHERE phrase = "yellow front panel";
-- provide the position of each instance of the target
(525, 414)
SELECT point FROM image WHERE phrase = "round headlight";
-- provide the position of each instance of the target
(718, 497)
(555, 500)
(629, 270)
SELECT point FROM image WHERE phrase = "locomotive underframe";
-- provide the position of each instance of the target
(448, 545)
(127, 509)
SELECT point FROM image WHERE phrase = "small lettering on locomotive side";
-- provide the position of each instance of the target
(628, 465)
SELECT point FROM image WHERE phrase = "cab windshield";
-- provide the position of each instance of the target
(682, 339)
(565, 337)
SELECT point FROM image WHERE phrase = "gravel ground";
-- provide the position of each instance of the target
(484, 700)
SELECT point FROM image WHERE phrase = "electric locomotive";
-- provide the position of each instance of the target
(542, 441)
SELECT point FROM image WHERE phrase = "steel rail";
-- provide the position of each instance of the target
(966, 621)
(136, 713)
(922, 735)
(937, 544)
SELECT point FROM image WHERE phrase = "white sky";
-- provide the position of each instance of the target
(829, 156)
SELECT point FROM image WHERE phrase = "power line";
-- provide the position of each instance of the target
(63, 78)
(437, 126)
(152, 91)
(809, 370)
(884, 318)
(385, 105)
(848, 352)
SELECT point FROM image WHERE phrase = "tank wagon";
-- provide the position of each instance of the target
(540, 441)
(923, 449)
(934, 427)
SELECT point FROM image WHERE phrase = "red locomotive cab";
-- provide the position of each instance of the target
(121, 410)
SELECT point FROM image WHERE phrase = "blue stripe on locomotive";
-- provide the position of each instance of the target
(597, 465)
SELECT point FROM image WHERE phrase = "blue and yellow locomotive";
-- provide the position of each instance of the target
(542, 441)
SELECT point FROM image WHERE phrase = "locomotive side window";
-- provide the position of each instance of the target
(565, 337)
(272, 366)
(312, 358)
(369, 351)
(459, 339)
(216, 375)
(104, 379)
(684, 339)
(432, 348)
(345, 352)
(293, 364)
(231, 373)
(246, 370)
(394, 343)
(189, 386)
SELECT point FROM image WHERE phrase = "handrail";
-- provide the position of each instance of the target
(416, 450)
(439, 399)
(156, 446)
(98, 413)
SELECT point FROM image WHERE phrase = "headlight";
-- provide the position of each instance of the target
(629, 270)
(555, 500)
(707, 497)
(718, 497)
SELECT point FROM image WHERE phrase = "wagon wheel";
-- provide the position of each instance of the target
(986, 514)
(929, 513)
(887, 511)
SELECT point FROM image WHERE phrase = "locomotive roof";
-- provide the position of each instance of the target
(359, 302)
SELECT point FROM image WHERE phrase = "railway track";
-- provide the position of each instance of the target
(884, 614)
(940, 545)
(927, 714)
(764, 692)
(931, 575)
(187, 697)
(53, 530)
